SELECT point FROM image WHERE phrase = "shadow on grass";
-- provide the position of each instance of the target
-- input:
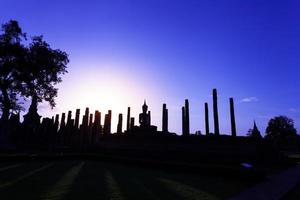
(34, 186)
(143, 183)
(100, 180)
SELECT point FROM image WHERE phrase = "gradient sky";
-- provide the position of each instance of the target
(123, 51)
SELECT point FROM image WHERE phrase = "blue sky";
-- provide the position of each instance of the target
(122, 52)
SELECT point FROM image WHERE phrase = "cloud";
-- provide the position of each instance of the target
(293, 110)
(249, 99)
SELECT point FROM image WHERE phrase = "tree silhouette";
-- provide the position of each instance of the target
(12, 54)
(30, 71)
(44, 66)
(280, 127)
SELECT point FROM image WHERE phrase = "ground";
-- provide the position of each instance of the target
(294, 194)
(102, 180)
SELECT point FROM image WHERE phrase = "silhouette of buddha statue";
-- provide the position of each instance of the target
(144, 117)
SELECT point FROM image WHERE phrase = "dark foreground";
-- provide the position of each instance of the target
(83, 179)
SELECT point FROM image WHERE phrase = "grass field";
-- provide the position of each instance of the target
(100, 180)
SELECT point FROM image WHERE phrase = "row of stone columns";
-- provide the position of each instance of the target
(87, 131)
(185, 116)
(216, 115)
(95, 127)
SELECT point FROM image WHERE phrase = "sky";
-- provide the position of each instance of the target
(124, 51)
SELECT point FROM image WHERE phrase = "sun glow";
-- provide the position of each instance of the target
(100, 94)
(103, 91)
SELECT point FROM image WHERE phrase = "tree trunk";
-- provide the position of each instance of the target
(4, 118)
(6, 105)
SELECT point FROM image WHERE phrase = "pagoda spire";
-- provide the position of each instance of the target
(254, 126)
(255, 132)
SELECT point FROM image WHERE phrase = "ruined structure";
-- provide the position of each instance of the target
(96, 129)
(77, 118)
(232, 117)
(68, 131)
(56, 122)
(107, 123)
(120, 122)
(183, 120)
(128, 119)
(165, 119)
(216, 115)
(206, 119)
(186, 119)
(62, 121)
(131, 122)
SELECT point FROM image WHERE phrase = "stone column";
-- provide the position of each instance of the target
(86, 122)
(149, 117)
(90, 129)
(109, 121)
(120, 122)
(183, 120)
(100, 125)
(128, 119)
(62, 121)
(56, 123)
(206, 119)
(85, 127)
(187, 117)
(232, 117)
(96, 127)
(96, 121)
(105, 128)
(62, 129)
(77, 115)
(165, 118)
(131, 122)
(69, 118)
(215, 109)
(91, 120)
(69, 126)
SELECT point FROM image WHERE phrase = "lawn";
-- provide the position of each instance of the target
(80, 179)
(294, 194)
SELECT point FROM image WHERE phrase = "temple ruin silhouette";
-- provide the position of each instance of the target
(65, 130)
(139, 140)
(91, 128)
